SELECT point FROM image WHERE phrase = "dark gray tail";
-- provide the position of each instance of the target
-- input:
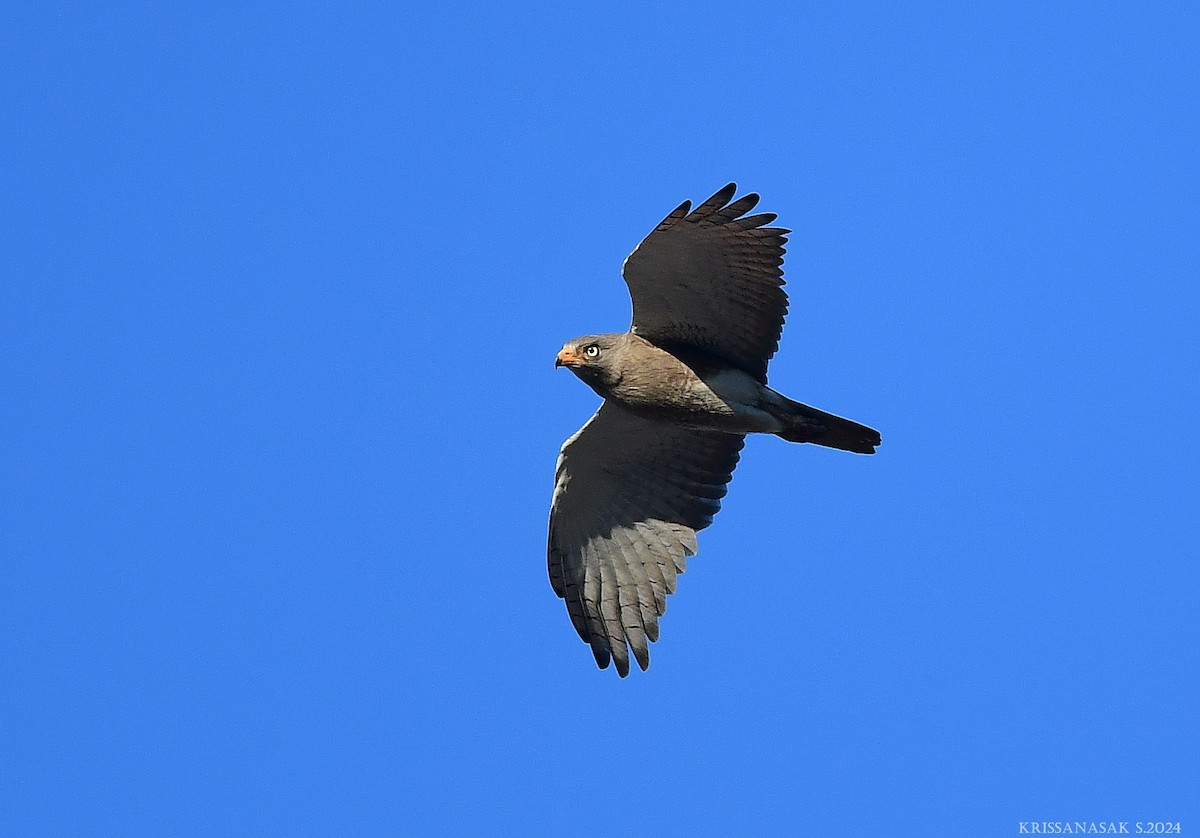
(807, 424)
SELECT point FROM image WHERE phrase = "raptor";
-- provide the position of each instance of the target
(681, 390)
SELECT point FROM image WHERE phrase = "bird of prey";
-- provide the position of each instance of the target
(681, 390)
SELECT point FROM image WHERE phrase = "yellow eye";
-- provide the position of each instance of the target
(592, 351)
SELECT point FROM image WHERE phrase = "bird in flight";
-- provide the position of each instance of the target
(681, 390)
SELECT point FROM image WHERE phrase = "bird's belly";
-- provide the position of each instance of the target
(727, 401)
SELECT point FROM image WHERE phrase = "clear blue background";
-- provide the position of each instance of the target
(281, 292)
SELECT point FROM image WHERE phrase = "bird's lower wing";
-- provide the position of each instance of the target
(629, 496)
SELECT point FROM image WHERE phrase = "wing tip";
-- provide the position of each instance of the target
(673, 217)
(600, 653)
(642, 655)
(714, 203)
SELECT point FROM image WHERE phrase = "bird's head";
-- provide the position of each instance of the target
(592, 358)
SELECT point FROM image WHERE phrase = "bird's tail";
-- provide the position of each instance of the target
(807, 424)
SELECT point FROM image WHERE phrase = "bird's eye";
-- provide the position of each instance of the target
(592, 351)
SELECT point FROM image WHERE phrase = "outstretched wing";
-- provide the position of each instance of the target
(629, 496)
(712, 279)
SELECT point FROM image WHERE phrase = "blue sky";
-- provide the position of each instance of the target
(280, 293)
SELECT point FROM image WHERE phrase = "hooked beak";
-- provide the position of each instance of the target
(567, 358)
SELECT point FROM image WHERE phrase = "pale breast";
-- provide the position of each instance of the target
(657, 385)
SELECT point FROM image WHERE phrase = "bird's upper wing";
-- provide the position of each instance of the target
(711, 278)
(629, 496)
